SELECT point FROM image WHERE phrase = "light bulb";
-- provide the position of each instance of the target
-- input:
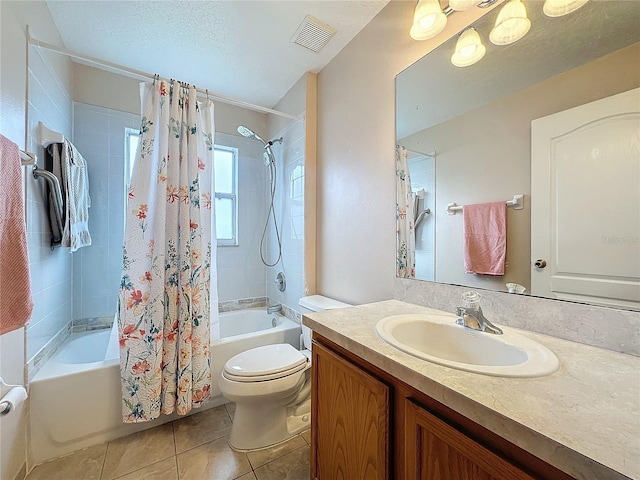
(469, 49)
(511, 25)
(428, 20)
(557, 8)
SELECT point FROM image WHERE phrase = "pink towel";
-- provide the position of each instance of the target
(15, 287)
(485, 238)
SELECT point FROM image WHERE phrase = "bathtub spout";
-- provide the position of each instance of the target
(274, 308)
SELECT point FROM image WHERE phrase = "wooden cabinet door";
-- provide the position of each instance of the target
(434, 450)
(349, 422)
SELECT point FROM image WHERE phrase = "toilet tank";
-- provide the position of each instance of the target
(316, 303)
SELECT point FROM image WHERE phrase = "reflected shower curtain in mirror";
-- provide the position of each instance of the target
(164, 298)
(406, 239)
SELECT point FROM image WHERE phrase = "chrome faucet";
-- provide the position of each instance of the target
(472, 317)
(274, 308)
(475, 319)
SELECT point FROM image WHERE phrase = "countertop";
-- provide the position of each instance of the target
(583, 419)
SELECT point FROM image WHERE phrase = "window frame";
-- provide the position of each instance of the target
(232, 242)
(129, 160)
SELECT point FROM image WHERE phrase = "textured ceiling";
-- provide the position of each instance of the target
(236, 48)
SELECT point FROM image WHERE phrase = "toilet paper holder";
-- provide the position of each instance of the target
(5, 406)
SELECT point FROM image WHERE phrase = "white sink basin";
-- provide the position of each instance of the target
(438, 339)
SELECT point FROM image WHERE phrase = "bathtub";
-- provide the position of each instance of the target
(75, 397)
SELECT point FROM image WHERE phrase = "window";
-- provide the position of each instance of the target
(226, 203)
(226, 185)
(131, 140)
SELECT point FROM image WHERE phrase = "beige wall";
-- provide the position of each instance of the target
(356, 138)
(95, 86)
(494, 163)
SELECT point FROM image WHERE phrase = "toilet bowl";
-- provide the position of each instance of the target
(271, 387)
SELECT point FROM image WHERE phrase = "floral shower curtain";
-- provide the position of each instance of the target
(406, 239)
(164, 300)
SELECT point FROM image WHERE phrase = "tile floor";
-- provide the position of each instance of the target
(192, 448)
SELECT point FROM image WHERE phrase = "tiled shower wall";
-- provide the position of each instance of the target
(289, 207)
(240, 272)
(423, 176)
(49, 101)
(84, 285)
(99, 134)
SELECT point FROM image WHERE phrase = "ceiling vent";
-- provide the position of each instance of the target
(313, 34)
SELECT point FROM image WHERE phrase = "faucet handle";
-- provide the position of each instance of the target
(277, 307)
(471, 300)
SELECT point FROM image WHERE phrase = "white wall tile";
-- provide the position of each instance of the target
(290, 214)
(49, 102)
(101, 132)
(240, 271)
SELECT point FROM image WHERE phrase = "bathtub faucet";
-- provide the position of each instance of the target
(274, 308)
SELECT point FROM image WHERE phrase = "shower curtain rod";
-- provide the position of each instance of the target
(138, 73)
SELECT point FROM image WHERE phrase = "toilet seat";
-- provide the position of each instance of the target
(264, 363)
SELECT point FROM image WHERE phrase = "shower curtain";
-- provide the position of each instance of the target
(164, 299)
(405, 200)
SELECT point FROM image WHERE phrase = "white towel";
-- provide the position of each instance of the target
(75, 183)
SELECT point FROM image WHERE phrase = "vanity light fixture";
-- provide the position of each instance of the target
(469, 49)
(428, 20)
(558, 8)
(511, 25)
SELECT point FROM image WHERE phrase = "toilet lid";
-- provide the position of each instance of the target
(266, 362)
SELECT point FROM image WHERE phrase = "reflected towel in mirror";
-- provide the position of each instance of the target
(485, 238)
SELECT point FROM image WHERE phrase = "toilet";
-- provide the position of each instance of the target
(271, 387)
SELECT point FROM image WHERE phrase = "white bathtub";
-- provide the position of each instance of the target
(75, 397)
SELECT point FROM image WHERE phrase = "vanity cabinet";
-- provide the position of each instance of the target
(367, 425)
(351, 438)
(435, 450)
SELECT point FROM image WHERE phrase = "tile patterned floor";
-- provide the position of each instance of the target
(192, 448)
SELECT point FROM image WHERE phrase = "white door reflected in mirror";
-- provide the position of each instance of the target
(586, 221)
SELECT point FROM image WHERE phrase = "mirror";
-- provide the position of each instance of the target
(468, 136)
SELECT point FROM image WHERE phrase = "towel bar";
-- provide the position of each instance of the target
(55, 199)
(48, 136)
(28, 158)
(517, 204)
(424, 213)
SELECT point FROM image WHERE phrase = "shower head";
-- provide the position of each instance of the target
(245, 132)
(269, 159)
